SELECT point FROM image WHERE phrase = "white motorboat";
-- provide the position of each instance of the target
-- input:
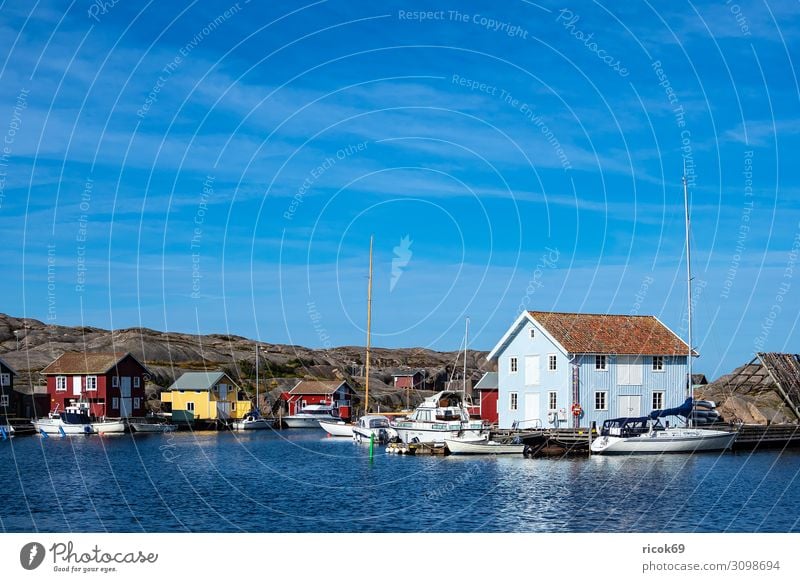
(73, 420)
(150, 427)
(337, 428)
(6, 430)
(109, 426)
(373, 425)
(482, 446)
(310, 416)
(645, 434)
(252, 421)
(440, 416)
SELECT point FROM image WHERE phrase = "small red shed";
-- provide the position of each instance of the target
(487, 391)
(335, 392)
(111, 382)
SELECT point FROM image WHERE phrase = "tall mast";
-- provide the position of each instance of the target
(466, 343)
(690, 386)
(257, 377)
(369, 324)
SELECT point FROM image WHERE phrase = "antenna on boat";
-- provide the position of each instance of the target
(690, 385)
(369, 324)
(466, 343)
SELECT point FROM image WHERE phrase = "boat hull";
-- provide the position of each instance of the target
(482, 447)
(668, 441)
(254, 424)
(109, 427)
(302, 421)
(48, 427)
(152, 428)
(336, 428)
(8, 429)
(431, 435)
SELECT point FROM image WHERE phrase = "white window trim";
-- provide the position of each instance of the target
(663, 365)
(115, 402)
(137, 382)
(115, 381)
(605, 399)
(62, 381)
(190, 406)
(532, 333)
(89, 386)
(605, 363)
(554, 358)
(5, 400)
(5, 379)
(513, 401)
(653, 399)
(552, 408)
(513, 362)
(137, 402)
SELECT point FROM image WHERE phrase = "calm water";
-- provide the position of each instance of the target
(298, 481)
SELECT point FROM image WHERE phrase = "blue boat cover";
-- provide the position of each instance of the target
(683, 410)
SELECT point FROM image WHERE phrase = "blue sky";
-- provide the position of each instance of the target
(220, 167)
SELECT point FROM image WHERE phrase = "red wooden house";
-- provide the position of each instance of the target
(111, 382)
(336, 392)
(412, 379)
(487, 392)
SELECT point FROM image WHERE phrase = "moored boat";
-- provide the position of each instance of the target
(440, 416)
(6, 431)
(373, 425)
(337, 428)
(150, 426)
(109, 426)
(482, 446)
(252, 421)
(310, 416)
(73, 420)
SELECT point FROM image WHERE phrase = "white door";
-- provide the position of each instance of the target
(630, 406)
(76, 385)
(532, 419)
(531, 370)
(629, 371)
(223, 410)
(125, 402)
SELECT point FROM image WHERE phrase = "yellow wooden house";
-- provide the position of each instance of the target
(206, 396)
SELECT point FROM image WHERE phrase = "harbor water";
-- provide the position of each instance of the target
(301, 481)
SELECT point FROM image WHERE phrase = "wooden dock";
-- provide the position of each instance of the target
(576, 441)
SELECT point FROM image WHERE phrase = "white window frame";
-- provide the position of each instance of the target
(552, 401)
(513, 401)
(115, 403)
(91, 383)
(137, 382)
(552, 363)
(532, 333)
(513, 365)
(601, 363)
(603, 394)
(61, 383)
(115, 381)
(233, 406)
(4, 400)
(658, 364)
(137, 402)
(189, 406)
(653, 400)
(5, 379)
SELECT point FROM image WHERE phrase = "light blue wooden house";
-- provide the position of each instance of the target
(575, 369)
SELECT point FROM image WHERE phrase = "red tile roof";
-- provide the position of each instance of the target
(84, 362)
(588, 333)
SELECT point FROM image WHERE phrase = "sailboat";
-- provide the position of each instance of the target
(646, 434)
(253, 419)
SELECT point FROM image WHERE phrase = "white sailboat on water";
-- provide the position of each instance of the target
(253, 419)
(631, 436)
